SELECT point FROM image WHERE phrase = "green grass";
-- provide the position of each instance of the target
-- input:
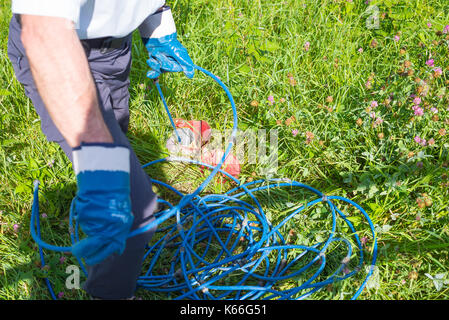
(257, 49)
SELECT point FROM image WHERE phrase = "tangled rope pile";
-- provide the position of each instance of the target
(224, 246)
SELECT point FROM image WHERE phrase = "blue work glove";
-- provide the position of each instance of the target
(166, 53)
(102, 204)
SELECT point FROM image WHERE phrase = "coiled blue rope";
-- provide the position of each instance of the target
(223, 246)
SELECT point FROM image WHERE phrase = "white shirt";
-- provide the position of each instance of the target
(93, 18)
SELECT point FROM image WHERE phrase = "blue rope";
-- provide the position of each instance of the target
(223, 246)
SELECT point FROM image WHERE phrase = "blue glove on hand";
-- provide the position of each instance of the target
(166, 53)
(102, 204)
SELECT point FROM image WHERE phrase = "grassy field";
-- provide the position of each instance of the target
(362, 111)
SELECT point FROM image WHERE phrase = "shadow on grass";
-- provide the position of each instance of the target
(430, 244)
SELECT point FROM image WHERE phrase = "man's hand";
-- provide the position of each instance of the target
(102, 204)
(166, 53)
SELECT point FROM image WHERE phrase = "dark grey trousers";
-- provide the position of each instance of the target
(115, 278)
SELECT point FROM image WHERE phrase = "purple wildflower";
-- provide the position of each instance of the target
(418, 110)
(368, 84)
(417, 101)
(307, 46)
(364, 240)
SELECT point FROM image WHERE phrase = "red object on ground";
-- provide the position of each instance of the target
(231, 164)
(200, 128)
(202, 134)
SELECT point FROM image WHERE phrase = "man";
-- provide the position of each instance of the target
(73, 58)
